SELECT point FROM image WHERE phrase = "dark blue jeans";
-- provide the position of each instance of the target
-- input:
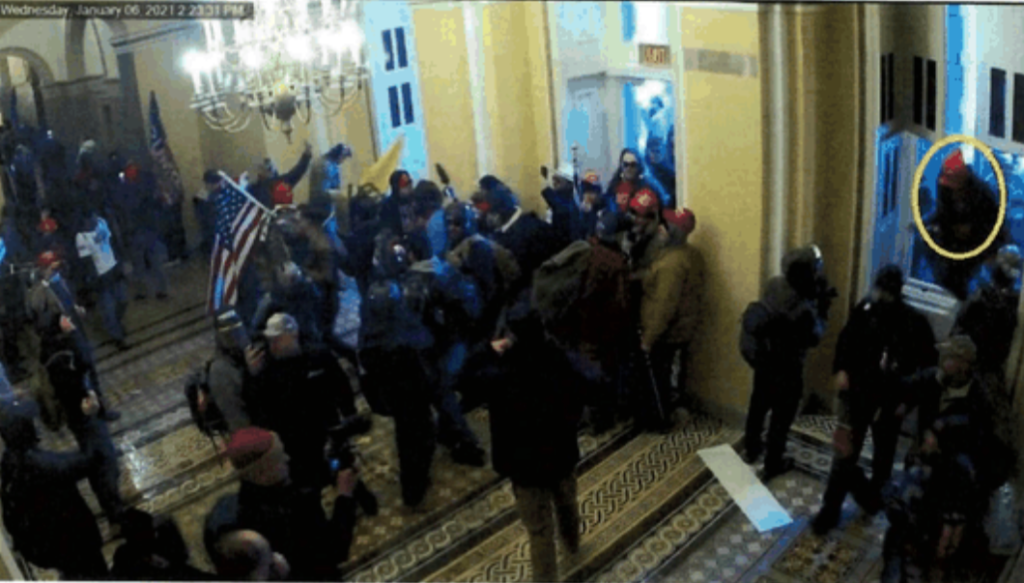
(93, 434)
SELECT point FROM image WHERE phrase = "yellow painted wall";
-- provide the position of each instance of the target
(445, 89)
(832, 117)
(724, 164)
(517, 91)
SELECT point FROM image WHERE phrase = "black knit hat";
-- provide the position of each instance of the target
(890, 280)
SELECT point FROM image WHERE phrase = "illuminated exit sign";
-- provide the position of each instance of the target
(655, 55)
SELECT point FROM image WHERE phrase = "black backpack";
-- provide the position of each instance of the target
(756, 333)
(209, 419)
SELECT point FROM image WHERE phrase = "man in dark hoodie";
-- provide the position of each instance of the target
(881, 328)
(536, 404)
(789, 321)
(530, 239)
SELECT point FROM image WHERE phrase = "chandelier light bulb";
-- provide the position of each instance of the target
(352, 36)
(299, 48)
(194, 62)
(252, 58)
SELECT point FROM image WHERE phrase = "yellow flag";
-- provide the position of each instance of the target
(377, 174)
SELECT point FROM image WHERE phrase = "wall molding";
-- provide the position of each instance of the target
(720, 62)
(128, 43)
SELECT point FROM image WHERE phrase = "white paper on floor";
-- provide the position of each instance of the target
(740, 481)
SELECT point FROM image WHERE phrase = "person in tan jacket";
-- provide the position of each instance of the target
(670, 307)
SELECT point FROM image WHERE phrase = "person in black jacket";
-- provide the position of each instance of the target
(290, 518)
(401, 192)
(798, 312)
(394, 338)
(364, 214)
(530, 239)
(68, 373)
(881, 329)
(535, 409)
(43, 510)
(267, 177)
(297, 393)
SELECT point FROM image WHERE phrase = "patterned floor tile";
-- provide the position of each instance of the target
(616, 496)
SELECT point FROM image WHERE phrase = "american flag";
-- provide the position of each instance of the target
(169, 186)
(239, 223)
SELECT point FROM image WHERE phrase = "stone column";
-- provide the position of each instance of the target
(132, 123)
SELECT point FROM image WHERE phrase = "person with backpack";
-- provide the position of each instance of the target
(881, 328)
(215, 391)
(777, 332)
(50, 524)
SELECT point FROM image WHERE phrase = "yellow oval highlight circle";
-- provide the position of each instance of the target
(915, 196)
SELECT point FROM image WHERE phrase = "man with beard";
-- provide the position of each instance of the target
(885, 339)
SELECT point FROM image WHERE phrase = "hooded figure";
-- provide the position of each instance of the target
(786, 323)
(530, 239)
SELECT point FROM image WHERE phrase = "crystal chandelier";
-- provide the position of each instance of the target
(291, 58)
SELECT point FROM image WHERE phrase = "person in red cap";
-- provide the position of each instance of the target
(53, 310)
(643, 245)
(672, 303)
(965, 214)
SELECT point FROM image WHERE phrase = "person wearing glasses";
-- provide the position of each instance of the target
(628, 181)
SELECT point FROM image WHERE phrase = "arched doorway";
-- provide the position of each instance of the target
(24, 73)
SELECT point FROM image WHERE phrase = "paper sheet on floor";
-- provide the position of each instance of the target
(740, 481)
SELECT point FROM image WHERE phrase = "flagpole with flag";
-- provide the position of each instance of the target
(169, 185)
(241, 222)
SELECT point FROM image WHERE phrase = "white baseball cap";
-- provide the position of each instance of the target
(280, 324)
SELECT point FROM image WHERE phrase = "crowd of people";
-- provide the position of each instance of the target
(440, 305)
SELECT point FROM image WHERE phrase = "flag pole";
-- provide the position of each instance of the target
(237, 187)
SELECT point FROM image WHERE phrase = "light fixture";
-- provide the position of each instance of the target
(292, 58)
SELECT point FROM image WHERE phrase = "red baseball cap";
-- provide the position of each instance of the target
(248, 445)
(46, 259)
(683, 219)
(954, 173)
(645, 202)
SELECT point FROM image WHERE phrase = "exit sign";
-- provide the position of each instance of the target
(655, 55)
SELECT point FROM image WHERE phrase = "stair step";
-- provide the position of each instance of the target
(106, 350)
